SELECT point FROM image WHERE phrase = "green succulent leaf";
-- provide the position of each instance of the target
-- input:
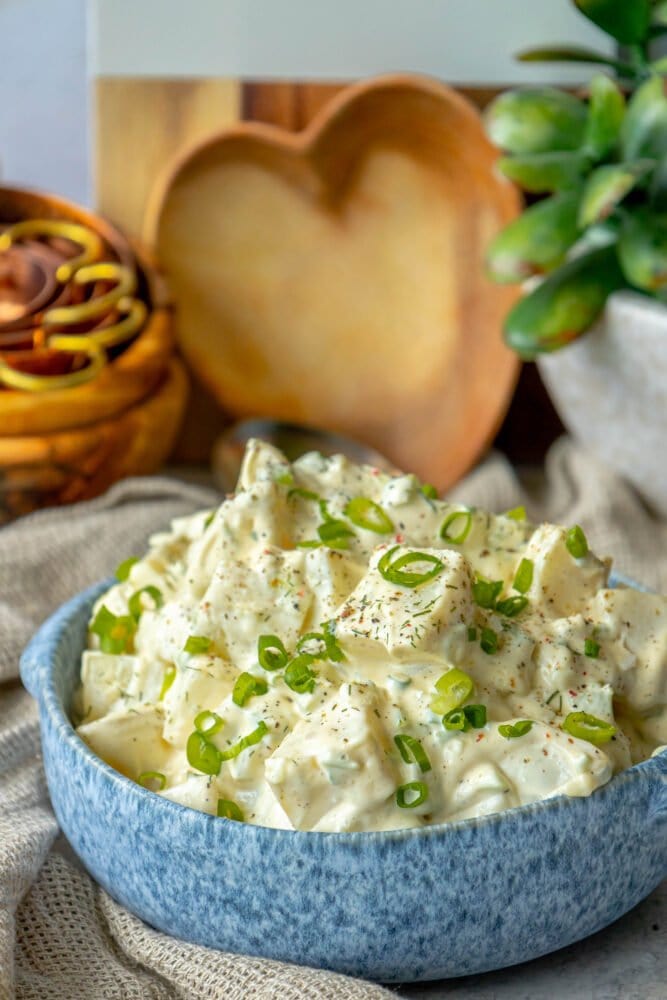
(606, 108)
(536, 120)
(644, 129)
(540, 172)
(564, 304)
(642, 250)
(576, 54)
(658, 186)
(607, 186)
(625, 20)
(535, 242)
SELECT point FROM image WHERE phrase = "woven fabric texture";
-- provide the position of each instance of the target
(61, 936)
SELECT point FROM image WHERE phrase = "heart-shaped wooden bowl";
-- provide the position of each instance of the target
(335, 277)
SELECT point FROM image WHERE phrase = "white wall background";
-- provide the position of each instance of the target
(45, 65)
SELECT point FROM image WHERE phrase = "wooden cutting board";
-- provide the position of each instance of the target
(335, 277)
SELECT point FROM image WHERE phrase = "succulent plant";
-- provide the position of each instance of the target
(601, 163)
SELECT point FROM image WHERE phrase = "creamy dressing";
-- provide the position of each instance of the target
(323, 753)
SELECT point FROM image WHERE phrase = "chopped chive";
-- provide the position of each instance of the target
(453, 687)
(588, 727)
(512, 606)
(412, 751)
(195, 644)
(512, 732)
(486, 592)
(298, 675)
(326, 649)
(334, 533)
(154, 781)
(456, 720)
(115, 632)
(228, 809)
(591, 648)
(412, 794)
(271, 652)
(367, 514)
(168, 679)
(576, 542)
(551, 697)
(517, 513)
(303, 494)
(246, 687)
(476, 715)
(135, 605)
(447, 529)
(309, 543)
(472, 633)
(285, 479)
(207, 723)
(523, 578)
(429, 491)
(209, 519)
(489, 641)
(123, 569)
(393, 572)
(256, 736)
(203, 755)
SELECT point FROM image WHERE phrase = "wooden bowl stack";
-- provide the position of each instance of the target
(67, 442)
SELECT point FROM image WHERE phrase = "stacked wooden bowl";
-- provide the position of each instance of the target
(90, 391)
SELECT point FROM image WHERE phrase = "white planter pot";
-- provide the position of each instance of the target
(610, 389)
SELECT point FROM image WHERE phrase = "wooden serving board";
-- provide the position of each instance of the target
(335, 276)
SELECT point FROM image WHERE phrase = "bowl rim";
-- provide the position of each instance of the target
(49, 637)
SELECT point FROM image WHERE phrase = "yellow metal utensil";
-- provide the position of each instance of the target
(91, 245)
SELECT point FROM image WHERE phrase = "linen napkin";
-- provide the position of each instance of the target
(61, 936)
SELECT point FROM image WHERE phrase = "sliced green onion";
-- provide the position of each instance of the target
(309, 543)
(229, 810)
(115, 632)
(412, 794)
(367, 514)
(523, 578)
(454, 687)
(448, 531)
(285, 479)
(209, 519)
(256, 736)
(517, 513)
(304, 494)
(168, 679)
(327, 648)
(298, 675)
(196, 644)
(207, 723)
(476, 715)
(334, 533)
(472, 633)
(489, 641)
(486, 592)
(154, 781)
(123, 570)
(591, 648)
(512, 606)
(512, 732)
(393, 572)
(246, 687)
(135, 605)
(576, 542)
(203, 755)
(429, 491)
(456, 720)
(588, 727)
(271, 652)
(412, 752)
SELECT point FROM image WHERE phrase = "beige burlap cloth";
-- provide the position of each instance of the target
(63, 938)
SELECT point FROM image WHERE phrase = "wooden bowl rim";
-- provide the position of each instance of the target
(304, 142)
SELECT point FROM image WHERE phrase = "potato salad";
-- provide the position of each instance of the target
(336, 649)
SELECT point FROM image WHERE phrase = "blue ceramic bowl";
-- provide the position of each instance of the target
(407, 905)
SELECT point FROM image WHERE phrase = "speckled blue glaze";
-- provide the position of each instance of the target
(409, 905)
